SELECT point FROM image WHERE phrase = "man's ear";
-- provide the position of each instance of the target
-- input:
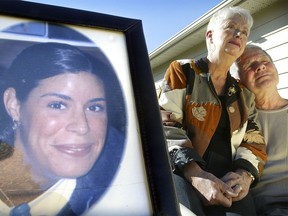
(12, 104)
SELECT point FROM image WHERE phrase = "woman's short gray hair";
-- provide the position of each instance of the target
(225, 13)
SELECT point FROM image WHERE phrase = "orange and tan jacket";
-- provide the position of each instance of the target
(199, 114)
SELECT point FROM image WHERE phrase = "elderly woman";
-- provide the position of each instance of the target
(217, 150)
(63, 130)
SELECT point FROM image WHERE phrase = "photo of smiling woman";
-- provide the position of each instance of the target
(63, 127)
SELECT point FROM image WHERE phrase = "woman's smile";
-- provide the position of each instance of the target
(74, 150)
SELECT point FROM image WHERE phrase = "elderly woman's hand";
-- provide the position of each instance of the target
(213, 190)
(240, 181)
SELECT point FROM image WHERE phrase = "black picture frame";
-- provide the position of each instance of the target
(160, 187)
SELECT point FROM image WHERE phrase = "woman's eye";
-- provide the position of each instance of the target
(96, 108)
(57, 105)
(245, 33)
(230, 27)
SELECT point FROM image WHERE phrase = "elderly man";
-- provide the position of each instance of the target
(258, 73)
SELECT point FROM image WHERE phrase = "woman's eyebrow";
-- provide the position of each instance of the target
(97, 99)
(65, 97)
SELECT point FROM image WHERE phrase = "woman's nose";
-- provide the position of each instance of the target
(238, 33)
(78, 123)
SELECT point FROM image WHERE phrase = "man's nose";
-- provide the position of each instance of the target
(260, 67)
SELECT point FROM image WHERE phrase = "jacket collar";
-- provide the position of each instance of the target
(232, 90)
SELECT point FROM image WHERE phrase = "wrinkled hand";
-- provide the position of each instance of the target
(240, 181)
(212, 189)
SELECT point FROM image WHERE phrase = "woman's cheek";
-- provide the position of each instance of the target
(50, 126)
(99, 126)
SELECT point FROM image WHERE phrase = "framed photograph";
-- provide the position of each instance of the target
(80, 127)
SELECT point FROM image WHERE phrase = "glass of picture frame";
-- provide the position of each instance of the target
(130, 174)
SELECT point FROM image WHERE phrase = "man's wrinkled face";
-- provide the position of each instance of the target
(256, 70)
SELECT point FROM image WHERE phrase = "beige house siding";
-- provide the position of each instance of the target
(270, 31)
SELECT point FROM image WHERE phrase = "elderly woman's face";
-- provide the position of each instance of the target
(63, 124)
(231, 35)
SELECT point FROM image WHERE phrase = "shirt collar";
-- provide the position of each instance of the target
(51, 201)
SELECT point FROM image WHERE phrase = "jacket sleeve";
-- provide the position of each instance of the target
(172, 99)
(251, 154)
(173, 90)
